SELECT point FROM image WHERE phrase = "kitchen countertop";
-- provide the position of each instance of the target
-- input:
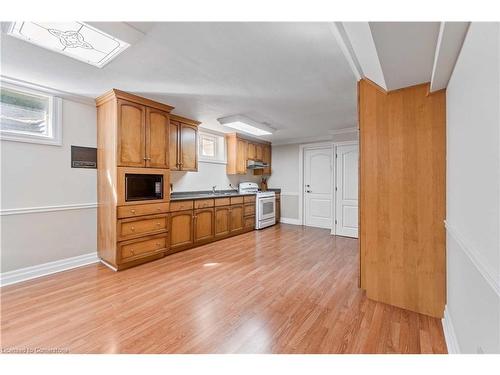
(207, 194)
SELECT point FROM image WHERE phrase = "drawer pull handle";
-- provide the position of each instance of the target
(132, 229)
(158, 224)
(133, 211)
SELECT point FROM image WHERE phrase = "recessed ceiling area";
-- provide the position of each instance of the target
(291, 76)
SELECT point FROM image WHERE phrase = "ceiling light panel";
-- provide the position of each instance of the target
(74, 39)
(246, 125)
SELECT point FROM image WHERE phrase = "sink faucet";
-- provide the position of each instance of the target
(213, 188)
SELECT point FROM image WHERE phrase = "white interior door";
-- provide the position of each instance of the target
(346, 207)
(318, 189)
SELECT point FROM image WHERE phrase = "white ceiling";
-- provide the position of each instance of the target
(293, 76)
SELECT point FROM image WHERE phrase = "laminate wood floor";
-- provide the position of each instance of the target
(285, 289)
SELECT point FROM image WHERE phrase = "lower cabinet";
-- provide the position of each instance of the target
(222, 220)
(203, 225)
(236, 223)
(141, 247)
(181, 230)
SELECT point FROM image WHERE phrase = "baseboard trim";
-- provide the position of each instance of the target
(286, 220)
(449, 333)
(28, 273)
(31, 210)
(476, 259)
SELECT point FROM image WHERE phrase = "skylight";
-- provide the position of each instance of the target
(246, 125)
(74, 39)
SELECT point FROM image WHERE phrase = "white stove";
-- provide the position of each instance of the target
(265, 204)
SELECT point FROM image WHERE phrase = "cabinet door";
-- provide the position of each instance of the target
(188, 149)
(241, 157)
(258, 152)
(251, 151)
(236, 223)
(131, 134)
(222, 221)
(181, 229)
(266, 158)
(203, 225)
(157, 138)
(174, 145)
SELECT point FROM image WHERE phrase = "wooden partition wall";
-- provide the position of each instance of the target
(402, 196)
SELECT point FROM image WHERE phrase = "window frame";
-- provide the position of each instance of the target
(54, 118)
(219, 147)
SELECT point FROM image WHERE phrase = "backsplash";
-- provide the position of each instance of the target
(208, 175)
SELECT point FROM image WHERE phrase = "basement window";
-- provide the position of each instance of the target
(211, 147)
(28, 115)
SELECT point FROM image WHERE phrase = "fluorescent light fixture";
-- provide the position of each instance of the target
(246, 125)
(74, 39)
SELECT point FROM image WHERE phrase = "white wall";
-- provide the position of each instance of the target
(473, 192)
(35, 176)
(208, 175)
(285, 175)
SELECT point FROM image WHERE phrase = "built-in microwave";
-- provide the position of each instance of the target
(143, 187)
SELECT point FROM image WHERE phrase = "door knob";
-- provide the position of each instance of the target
(308, 191)
(308, 185)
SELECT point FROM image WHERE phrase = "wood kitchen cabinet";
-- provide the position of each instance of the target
(183, 138)
(181, 230)
(204, 225)
(142, 139)
(237, 222)
(132, 138)
(240, 150)
(222, 220)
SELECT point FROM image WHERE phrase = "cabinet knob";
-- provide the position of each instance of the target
(133, 211)
(132, 229)
(158, 224)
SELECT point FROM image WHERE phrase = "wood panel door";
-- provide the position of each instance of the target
(236, 223)
(251, 151)
(203, 225)
(181, 230)
(174, 143)
(157, 138)
(241, 156)
(222, 221)
(131, 146)
(188, 148)
(258, 151)
(402, 196)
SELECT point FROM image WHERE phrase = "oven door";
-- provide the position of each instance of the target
(266, 209)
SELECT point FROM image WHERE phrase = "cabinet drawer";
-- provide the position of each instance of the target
(131, 250)
(181, 206)
(249, 199)
(141, 210)
(203, 203)
(236, 200)
(249, 222)
(249, 209)
(146, 225)
(222, 202)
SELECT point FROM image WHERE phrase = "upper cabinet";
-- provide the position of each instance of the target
(183, 144)
(139, 127)
(240, 151)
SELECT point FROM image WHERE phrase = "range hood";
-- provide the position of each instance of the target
(254, 164)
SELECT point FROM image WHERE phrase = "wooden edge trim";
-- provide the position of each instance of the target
(382, 90)
(184, 120)
(114, 93)
(247, 138)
